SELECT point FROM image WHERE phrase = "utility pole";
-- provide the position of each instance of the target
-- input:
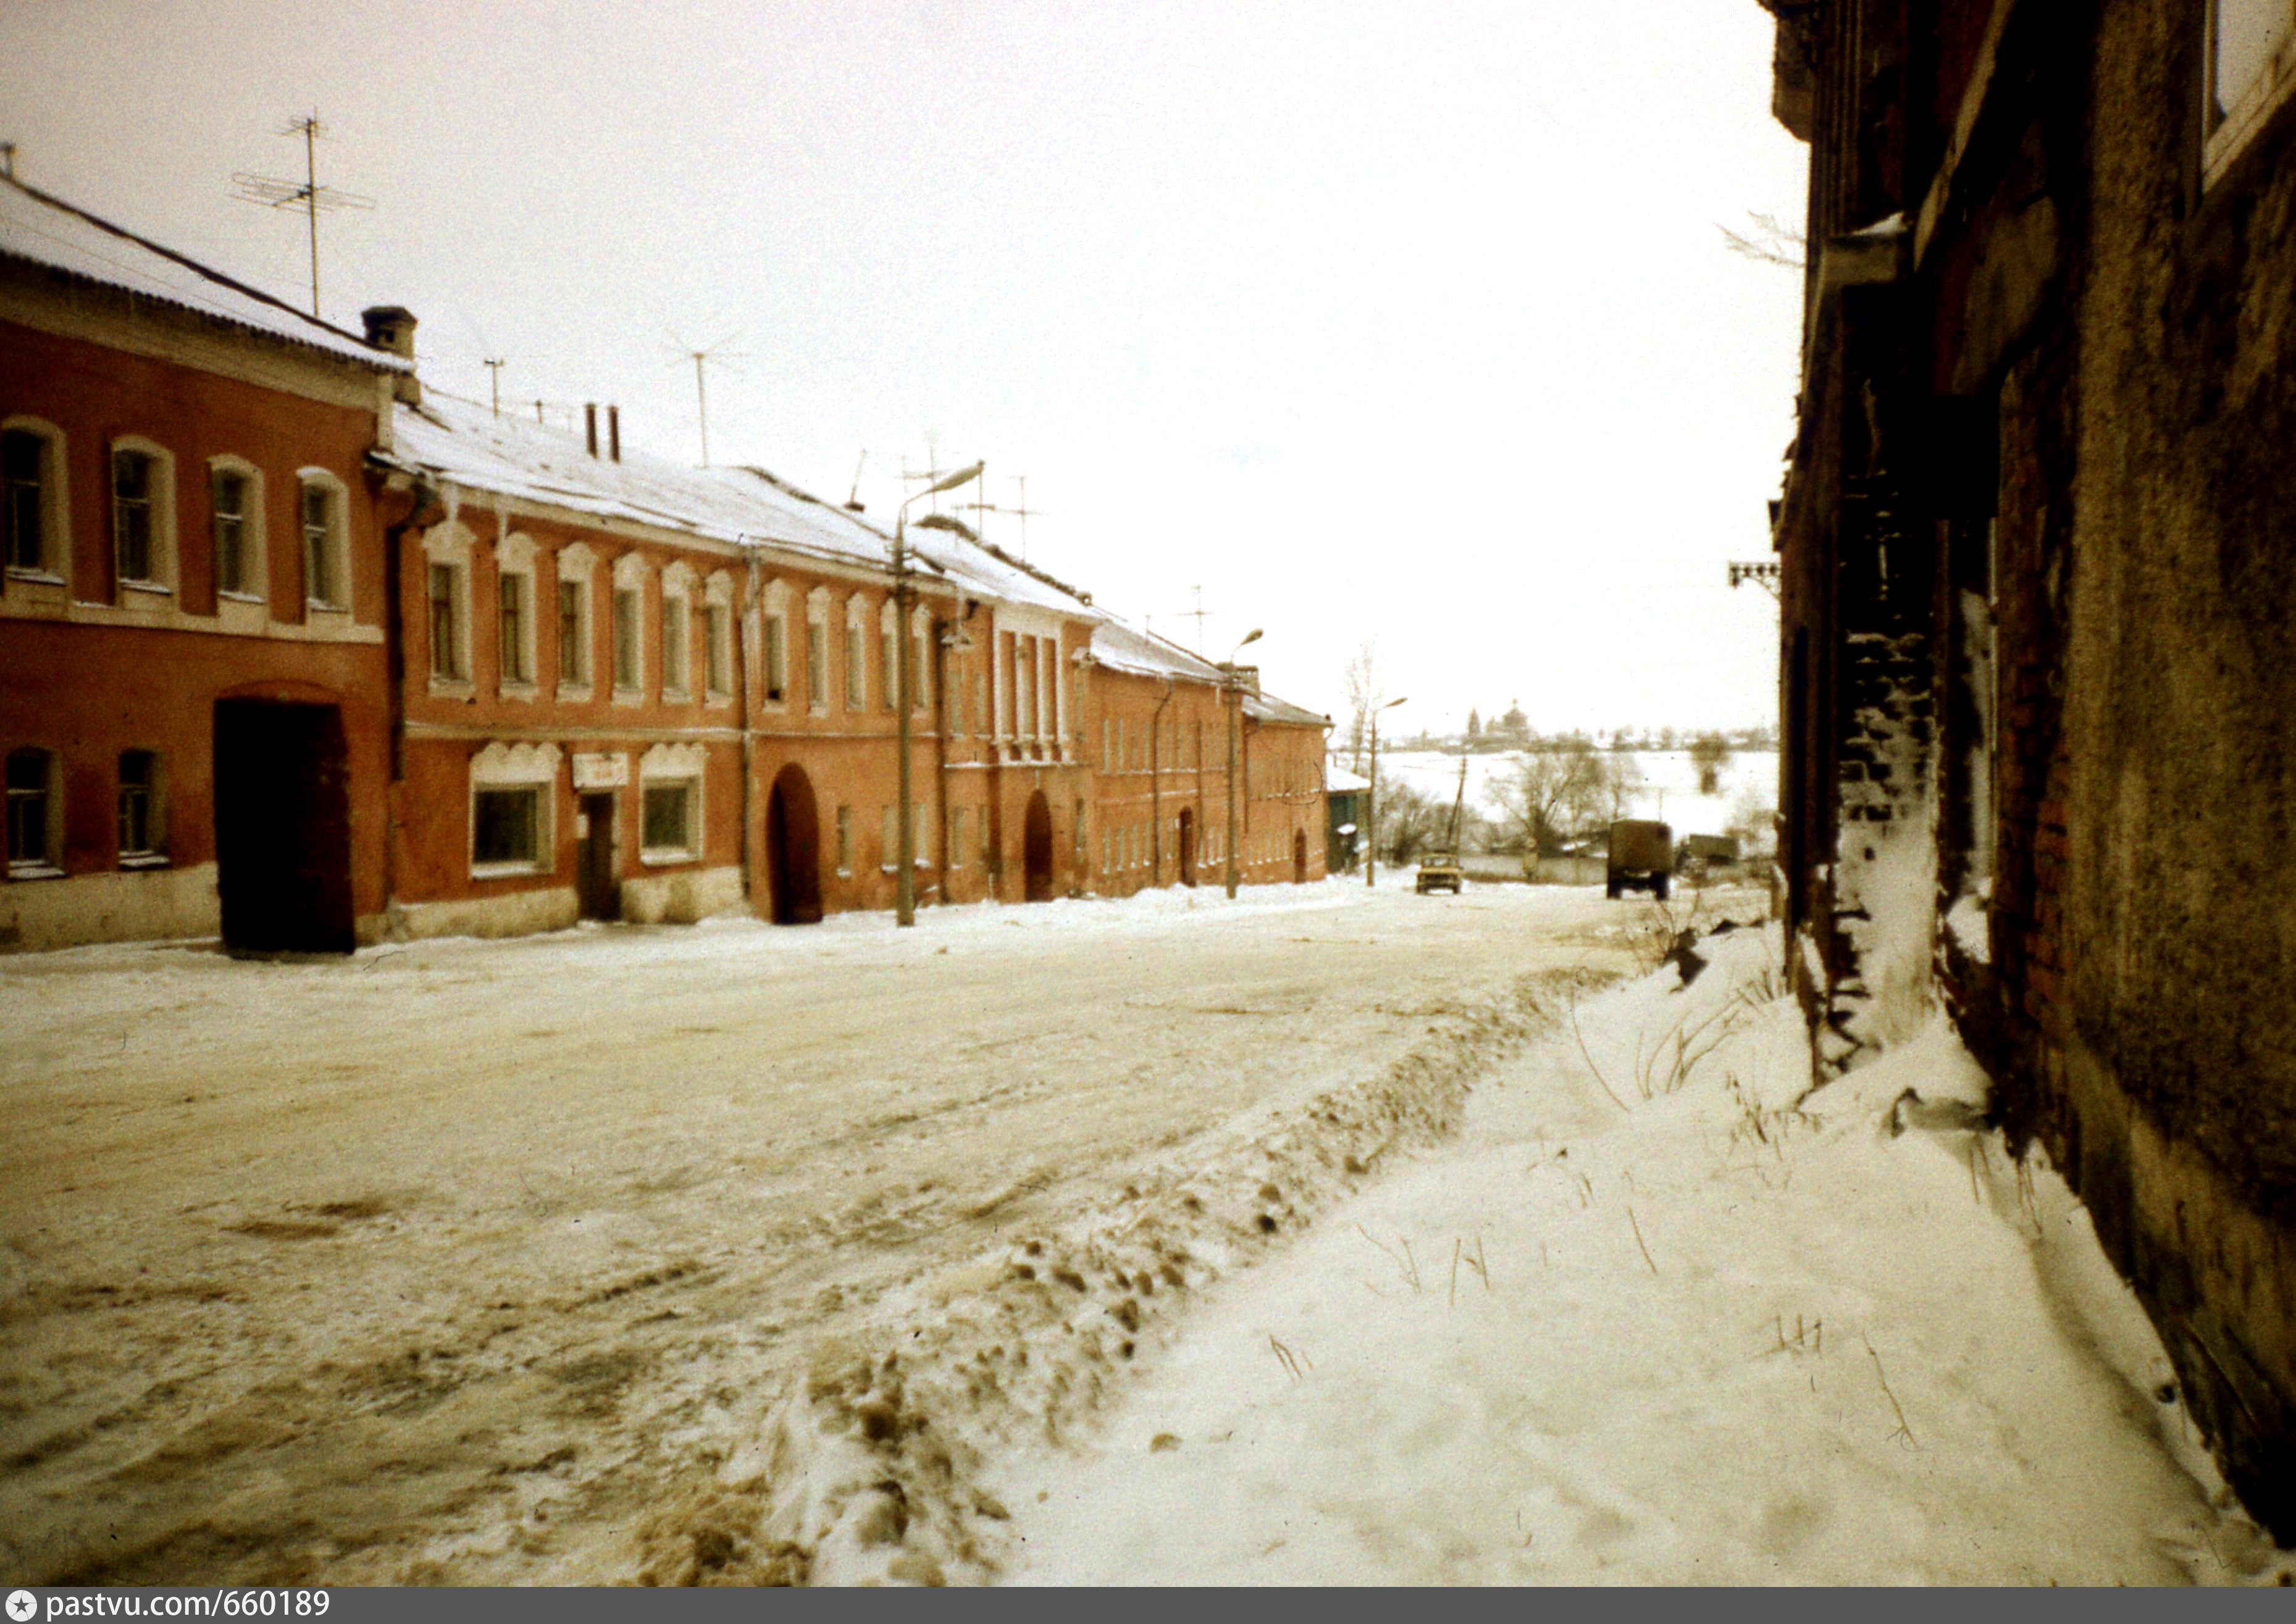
(904, 889)
(1371, 799)
(1234, 695)
(309, 195)
(494, 377)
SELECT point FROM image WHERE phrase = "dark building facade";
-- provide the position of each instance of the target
(2038, 549)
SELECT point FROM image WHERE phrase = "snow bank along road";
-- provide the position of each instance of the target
(594, 1256)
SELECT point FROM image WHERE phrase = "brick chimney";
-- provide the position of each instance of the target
(391, 327)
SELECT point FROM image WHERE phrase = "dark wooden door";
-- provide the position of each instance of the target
(1036, 850)
(602, 886)
(283, 827)
(1187, 845)
(793, 849)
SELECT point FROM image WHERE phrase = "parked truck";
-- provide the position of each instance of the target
(1641, 858)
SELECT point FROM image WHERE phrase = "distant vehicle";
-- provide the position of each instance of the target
(1699, 855)
(1641, 858)
(1440, 871)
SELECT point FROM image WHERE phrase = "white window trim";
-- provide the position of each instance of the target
(629, 576)
(254, 535)
(577, 565)
(55, 500)
(449, 543)
(668, 764)
(514, 556)
(921, 641)
(49, 864)
(717, 593)
(677, 588)
(2230, 129)
(816, 618)
(854, 696)
(162, 581)
(890, 653)
(776, 605)
(339, 541)
(501, 766)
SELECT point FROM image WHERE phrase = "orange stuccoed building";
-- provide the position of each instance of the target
(300, 656)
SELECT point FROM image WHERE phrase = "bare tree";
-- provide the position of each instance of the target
(1770, 241)
(1365, 694)
(1409, 820)
(1710, 754)
(1558, 789)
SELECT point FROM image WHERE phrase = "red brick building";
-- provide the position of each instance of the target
(2038, 582)
(192, 607)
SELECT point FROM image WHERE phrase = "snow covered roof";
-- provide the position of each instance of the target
(1121, 648)
(988, 572)
(1339, 781)
(1268, 708)
(466, 445)
(47, 231)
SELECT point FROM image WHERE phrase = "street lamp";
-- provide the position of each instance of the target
(1371, 852)
(905, 905)
(1235, 704)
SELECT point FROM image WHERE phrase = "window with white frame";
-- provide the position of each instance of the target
(36, 823)
(2252, 70)
(816, 651)
(889, 657)
(717, 636)
(669, 803)
(677, 631)
(629, 628)
(845, 841)
(515, 613)
(142, 515)
(920, 667)
(576, 637)
(773, 643)
(236, 527)
(888, 849)
(326, 509)
(513, 802)
(958, 816)
(447, 551)
(143, 806)
(857, 654)
(32, 485)
(1024, 688)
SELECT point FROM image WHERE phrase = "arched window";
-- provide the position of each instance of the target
(35, 516)
(235, 528)
(142, 515)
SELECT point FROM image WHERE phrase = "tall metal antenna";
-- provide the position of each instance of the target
(853, 497)
(309, 194)
(702, 358)
(494, 376)
(931, 473)
(1197, 615)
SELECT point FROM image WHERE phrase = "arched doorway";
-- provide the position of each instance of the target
(1036, 850)
(1187, 845)
(1298, 856)
(793, 849)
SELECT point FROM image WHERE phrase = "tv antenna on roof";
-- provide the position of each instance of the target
(309, 194)
(1023, 513)
(719, 353)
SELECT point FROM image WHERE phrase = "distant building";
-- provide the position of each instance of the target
(2039, 588)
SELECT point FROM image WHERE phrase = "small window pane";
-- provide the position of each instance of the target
(625, 639)
(573, 654)
(229, 492)
(669, 817)
(21, 469)
(28, 818)
(512, 588)
(674, 618)
(719, 676)
(446, 634)
(131, 515)
(506, 825)
(816, 663)
(320, 584)
(776, 658)
(139, 805)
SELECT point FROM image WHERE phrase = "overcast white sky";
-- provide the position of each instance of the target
(1406, 322)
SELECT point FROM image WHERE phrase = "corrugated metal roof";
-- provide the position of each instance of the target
(47, 231)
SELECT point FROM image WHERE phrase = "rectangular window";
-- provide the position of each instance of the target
(131, 515)
(980, 699)
(957, 822)
(625, 639)
(892, 663)
(845, 840)
(1024, 688)
(889, 851)
(140, 826)
(573, 642)
(958, 722)
(319, 583)
(920, 670)
(817, 665)
(227, 491)
(31, 821)
(857, 669)
(23, 470)
(446, 634)
(718, 650)
(920, 832)
(777, 653)
(675, 630)
(512, 593)
(667, 828)
(506, 825)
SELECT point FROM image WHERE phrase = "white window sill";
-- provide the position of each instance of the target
(313, 606)
(718, 701)
(451, 687)
(149, 589)
(676, 696)
(34, 871)
(662, 860)
(820, 710)
(629, 696)
(42, 577)
(506, 871)
(524, 691)
(226, 596)
(145, 859)
(574, 693)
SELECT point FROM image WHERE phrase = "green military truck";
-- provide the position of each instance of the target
(1641, 858)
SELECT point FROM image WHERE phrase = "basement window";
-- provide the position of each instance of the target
(34, 820)
(143, 810)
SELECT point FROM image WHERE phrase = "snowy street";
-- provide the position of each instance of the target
(457, 1259)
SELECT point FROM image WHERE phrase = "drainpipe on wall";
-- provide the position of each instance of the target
(742, 648)
(424, 509)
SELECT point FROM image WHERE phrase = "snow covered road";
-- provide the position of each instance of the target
(480, 1260)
